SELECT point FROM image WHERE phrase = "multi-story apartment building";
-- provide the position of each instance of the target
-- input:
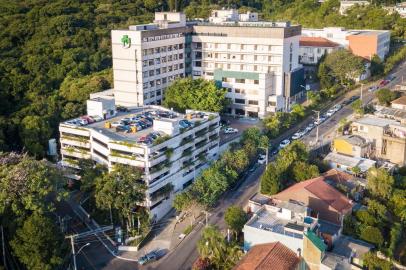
(168, 147)
(363, 43)
(256, 61)
(312, 49)
(387, 137)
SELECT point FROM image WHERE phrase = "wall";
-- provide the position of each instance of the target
(365, 46)
(311, 254)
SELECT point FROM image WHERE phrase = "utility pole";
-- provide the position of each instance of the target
(73, 251)
(4, 248)
(361, 95)
(207, 219)
(317, 126)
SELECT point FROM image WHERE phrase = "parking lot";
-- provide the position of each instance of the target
(240, 124)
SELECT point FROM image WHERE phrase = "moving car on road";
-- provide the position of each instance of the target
(230, 130)
(149, 257)
(284, 143)
(261, 159)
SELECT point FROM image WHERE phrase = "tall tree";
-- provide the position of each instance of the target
(235, 218)
(380, 183)
(270, 180)
(38, 244)
(199, 94)
(121, 189)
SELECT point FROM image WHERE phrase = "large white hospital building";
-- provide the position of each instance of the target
(257, 62)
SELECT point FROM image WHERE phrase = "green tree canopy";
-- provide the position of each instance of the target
(372, 235)
(121, 189)
(199, 94)
(38, 244)
(380, 183)
(270, 180)
(385, 96)
(304, 171)
(235, 218)
(26, 184)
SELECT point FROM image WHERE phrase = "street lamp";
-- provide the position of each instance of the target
(74, 254)
(317, 126)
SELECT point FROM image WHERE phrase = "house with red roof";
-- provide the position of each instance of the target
(326, 202)
(275, 256)
(311, 49)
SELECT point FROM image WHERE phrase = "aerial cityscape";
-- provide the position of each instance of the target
(203, 135)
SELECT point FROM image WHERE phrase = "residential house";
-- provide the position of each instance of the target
(347, 163)
(387, 137)
(313, 48)
(351, 145)
(399, 103)
(325, 201)
(363, 43)
(346, 4)
(270, 255)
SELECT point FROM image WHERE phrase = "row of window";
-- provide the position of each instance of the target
(162, 70)
(162, 49)
(164, 59)
(243, 101)
(153, 94)
(233, 80)
(158, 82)
(245, 67)
(243, 91)
(243, 57)
(162, 37)
(234, 46)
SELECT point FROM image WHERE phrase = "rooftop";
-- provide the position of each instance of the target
(393, 113)
(260, 199)
(376, 121)
(138, 124)
(349, 247)
(274, 218)
(319, 189)
(401, 100)
(334, 261)
(316, 42)
(261, 257)
(353, 139)
(363, 163)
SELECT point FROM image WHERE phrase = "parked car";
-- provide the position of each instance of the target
(284, 143)
(330, 113)
(296, 136)
(262, 159)
(383, 83)
(391, 77)
(115, 124)
(353, 98)
(337, 107)
(149, 257)
(230, 130)
(372, 88)
(122, 128)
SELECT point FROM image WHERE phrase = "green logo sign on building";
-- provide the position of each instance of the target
(126, 41)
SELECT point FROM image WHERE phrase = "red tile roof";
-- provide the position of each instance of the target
(320, 189)
(316, 42)
(401, 100)
(275, 256)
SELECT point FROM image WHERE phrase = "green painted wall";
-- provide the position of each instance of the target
(219, 74)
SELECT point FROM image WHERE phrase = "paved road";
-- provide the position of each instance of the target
(184, 256)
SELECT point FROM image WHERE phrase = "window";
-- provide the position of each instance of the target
(230, 90)
(240, 101)
(181, 56)
(240, 80)
(145, 74)
(169, 57)
(272, 103)
(175, 57)
(145, 52)
(164, 70)
(158, 92)
(144, 63)
(157, 61)
(169, 48)
(163, 80)
(157, 50)
(151, 62)
(181, 66)
(175, 67)
(158, 82)
(150, 51)
(163, 49)
(239, 91)
(145, 85)
(256, 81)
(151, 83)
(163, 59)
(169, 68)
(175, 47)
(151, 73)
(158, 71)
(180, 46)
(253, 102)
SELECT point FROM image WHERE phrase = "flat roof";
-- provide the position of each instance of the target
(376, 121)
(353, 139)
(363, 163)
(100, 126)
(305, 41)
(401, 100)
(347, 246)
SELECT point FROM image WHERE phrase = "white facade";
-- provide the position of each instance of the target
(285, 222)
(346, 4)
(342, 36)
(264, 54)
(175, 161)
(311, 55)
(102, 107)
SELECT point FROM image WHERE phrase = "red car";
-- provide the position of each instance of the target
(383, 83)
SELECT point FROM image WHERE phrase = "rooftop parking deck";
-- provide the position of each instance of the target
(144, 125)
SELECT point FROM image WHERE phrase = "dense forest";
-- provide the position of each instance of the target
(54, 53)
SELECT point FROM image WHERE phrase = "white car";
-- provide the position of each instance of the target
(284, 143)
(296, 136)
(261, 159)
(230, 130)
(330, 112)
(116, 124)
